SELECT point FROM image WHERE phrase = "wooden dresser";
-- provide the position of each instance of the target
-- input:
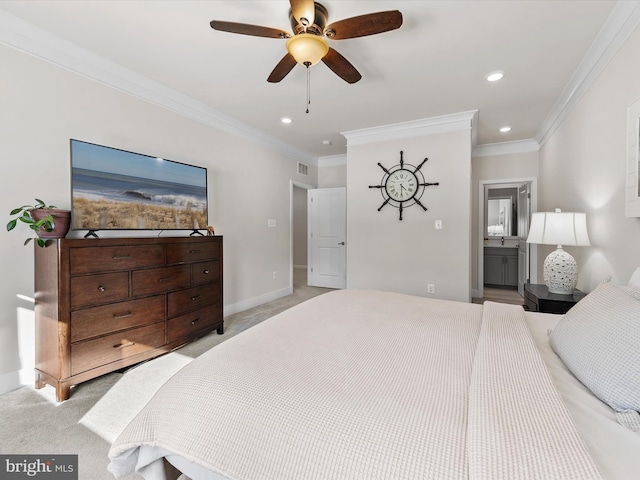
(105, 304)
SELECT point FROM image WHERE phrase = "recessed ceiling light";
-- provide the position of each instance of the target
(286, 120)
(495, 76)
(505, 129)
(326, 142)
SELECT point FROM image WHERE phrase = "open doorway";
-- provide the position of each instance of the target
(299, 235)
(504, 257)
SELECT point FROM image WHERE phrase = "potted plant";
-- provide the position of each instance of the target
(47, 221)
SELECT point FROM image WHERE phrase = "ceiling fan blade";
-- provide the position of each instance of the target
(282, 68)
(303, 11)
(341, 66)
(246, 29)
(363, 25)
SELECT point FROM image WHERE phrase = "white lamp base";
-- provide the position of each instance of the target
(560, 272)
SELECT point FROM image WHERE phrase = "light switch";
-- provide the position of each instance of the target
(438, 224)
(271, 223)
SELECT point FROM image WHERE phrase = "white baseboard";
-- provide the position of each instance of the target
(475, 294)
(9, 381)
(256, 301)
(19, 378)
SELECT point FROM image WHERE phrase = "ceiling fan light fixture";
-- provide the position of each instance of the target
(307, 49)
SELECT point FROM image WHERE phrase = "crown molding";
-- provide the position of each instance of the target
(332, 160)
(28, 38)
(416, 128)
(622, 21)
(505, 148)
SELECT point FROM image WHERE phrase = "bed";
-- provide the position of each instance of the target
(360, 384)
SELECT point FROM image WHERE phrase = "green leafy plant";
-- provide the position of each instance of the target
(24, 215)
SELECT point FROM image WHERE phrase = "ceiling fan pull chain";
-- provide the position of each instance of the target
(308, 64)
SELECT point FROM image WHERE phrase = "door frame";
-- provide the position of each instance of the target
(306, 186)
(533, 253)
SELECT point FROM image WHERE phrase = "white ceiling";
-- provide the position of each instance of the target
(435, 64)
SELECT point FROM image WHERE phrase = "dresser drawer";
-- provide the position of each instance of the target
(190, 323)
(206, 272)
(159, 280)
(114, 347)
(99, 289)
(191, 299)
(187, 253)
(96, 321)
(107, 259)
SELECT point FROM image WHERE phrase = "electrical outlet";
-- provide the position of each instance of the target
(271, 223)
(438, 224)
(431, 288)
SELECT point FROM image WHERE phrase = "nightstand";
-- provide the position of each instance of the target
(538, 299)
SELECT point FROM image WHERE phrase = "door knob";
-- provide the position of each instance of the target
(340, 243)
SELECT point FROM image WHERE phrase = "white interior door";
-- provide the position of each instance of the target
(327, 213)
(524, 212)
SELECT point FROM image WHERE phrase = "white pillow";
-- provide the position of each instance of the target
(599, 341)
(634, 281)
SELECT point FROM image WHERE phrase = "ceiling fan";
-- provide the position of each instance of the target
(308, 44)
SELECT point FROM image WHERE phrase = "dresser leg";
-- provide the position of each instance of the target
(63, 391)
(220, 329)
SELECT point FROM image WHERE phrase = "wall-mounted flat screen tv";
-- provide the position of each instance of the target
(113, 189)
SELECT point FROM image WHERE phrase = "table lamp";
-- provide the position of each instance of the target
(560, 270)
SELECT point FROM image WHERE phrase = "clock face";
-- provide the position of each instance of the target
(401, 185)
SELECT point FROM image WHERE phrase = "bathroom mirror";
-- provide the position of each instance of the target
(501, 212)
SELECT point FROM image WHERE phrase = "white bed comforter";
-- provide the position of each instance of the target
(359, 384)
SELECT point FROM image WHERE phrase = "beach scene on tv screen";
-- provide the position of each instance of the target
(116, 189)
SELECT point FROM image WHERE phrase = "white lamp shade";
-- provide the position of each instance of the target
(559, 228)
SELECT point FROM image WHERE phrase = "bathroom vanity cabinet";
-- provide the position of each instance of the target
(501, 266)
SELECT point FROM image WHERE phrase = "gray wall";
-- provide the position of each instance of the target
(583, 168)
(43, 106)
(332, 171)
(405, 256)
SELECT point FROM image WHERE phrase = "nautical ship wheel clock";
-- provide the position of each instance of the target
(403, 185)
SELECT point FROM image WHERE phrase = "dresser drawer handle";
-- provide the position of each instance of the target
(194, 251)
(206, 272)
(122, 257)
(195, 297)
(165, 279)
(122, 315)
(193, 322)
(124, 345)
(101, 288)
